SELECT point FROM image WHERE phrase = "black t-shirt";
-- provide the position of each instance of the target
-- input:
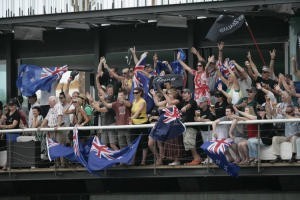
(266, 132)
(10, 119)
(109, 116)
(206, 115)
(189, 115)
(220, 109)
(260, 96)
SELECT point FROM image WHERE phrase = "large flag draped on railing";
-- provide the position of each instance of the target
(56, 150)
(215, 149)
(32, 78)
(102, 157)
(76, 147)
(168, 125)
(224, 25)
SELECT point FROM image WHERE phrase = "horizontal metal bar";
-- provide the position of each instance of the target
(145, 172)
(266, 121)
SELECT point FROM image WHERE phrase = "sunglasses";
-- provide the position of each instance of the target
(61, 97)
(136, 92)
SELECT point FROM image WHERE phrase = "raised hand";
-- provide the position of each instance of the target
(89, 97)
(132, 50)
(249, 55)
(277, 87)
(194, 50)
(258, 86)
(211, 59)
(220, 46)
(220, 87)
(273, 54)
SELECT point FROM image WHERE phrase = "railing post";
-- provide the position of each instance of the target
(258, 149)
(9, 157)
(154, 157)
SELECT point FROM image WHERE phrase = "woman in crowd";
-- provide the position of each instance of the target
(200, 76)
(139, 116)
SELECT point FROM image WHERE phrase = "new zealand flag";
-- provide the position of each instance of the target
(168, 125)
(215, 150)
(102, 157)
(141, 80)
(56, 150)
(32, 78)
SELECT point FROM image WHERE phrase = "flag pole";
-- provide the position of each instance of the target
(254, 40)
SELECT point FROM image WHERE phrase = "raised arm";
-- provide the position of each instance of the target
(240, 69)
(156, 101)
(185, 66)
(272, 61)
(253, 66)
(249, 70)
(210, 60)
(99, 88)
(196, 53)
(247, 115)
(285, 85)
(107, 105)
(224, 80)
(220, 47)
(135, 58)
(224, 93)
(67, 91)
(169, 100)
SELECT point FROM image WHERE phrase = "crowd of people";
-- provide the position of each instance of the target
(224, 90)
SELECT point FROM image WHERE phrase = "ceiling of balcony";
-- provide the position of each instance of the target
(175, 15)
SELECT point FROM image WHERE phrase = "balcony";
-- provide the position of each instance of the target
(18, 8)
(41, 170)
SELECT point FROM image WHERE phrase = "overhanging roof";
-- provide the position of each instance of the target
(90, 19)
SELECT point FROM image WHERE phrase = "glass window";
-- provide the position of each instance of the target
(3, 91)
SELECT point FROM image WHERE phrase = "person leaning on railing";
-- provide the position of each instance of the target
(12, 120)
(266, 132)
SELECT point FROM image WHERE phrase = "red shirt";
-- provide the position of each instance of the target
(122, 113)
(252, 130)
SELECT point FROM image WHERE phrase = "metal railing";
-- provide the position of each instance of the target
(17, 8)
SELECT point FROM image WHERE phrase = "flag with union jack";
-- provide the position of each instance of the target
(32, 78)
(141, 80)
(76, 147)
(168, 125)
(176, 66)
(102, 157)
(56, 150)
(215, 149)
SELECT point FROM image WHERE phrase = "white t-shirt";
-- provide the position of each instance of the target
(53, 113)
(30, 115)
